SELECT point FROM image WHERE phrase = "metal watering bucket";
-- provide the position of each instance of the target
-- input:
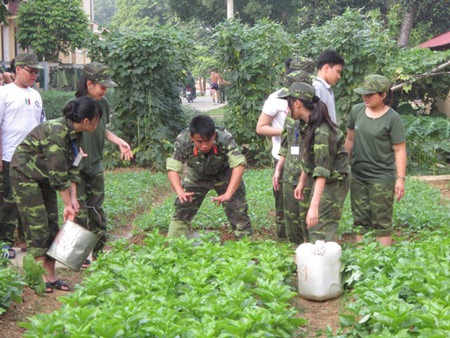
(72, 245)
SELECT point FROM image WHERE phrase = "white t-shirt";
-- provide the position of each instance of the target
(325, 94)
(278, 109)
(20, 112)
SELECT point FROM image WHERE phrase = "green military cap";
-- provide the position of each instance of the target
(99, 73)
(297, 76)
(27, 60)
(299, 90)
(302, 63)
(373, 83)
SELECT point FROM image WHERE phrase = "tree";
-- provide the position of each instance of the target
(104, 11)
(140, 13)
(50, 27)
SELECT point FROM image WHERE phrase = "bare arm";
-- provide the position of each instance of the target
(69, 212)
(349, 140)
(400, 162)
(278, 172)
(125, 150)
(264, 126)
(312, 218)
(235, 181)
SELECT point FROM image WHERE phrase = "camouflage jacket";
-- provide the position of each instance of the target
(224, 155)
(47, 154)
(327, 157)
(291, 137)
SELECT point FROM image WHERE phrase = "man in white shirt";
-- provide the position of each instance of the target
(329, 68)
(20, 111)
(271, 121)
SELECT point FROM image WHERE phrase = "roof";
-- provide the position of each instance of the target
(437, 41)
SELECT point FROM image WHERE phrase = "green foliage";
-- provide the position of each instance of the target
(148, 66)
(177, 288)
(104, 11)
(253, 57)
(428, 143)
(401, 291)
(50, 27)
(140, 13)
(33, 272)
(11, 285)
(54, 102)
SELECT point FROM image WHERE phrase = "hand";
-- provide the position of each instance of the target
(399, 188)
(221, 199)
(68, 214)
(125, 151)
(298, 192)
(75, 206)
(312, 218)
(275, 180)
(184, 196)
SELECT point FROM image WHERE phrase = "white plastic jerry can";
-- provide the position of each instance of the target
(319, 270)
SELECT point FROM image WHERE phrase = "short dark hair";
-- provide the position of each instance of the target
(331, 58)
(203, 125)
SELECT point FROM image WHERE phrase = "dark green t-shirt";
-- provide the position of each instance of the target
(93, 144)
(373, 157)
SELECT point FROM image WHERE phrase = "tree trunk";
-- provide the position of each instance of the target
(230, 9)
(407, 25)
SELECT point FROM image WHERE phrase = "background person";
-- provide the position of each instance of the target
(213, 161)
(20, 111)
(329, 68)
(376, 142)
(94, 83)
(43, 163)
(270, 123)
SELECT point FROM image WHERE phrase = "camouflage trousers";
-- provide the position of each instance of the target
(236, 209)
(295, 214)
(38, 207)
(279, 206)
(91, 195)
(330, 210)
(372, 206)
(9, 215)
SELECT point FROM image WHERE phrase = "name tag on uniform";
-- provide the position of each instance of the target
(295, 150)
(77, 160)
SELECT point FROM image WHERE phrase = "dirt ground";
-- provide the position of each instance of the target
(319, 314)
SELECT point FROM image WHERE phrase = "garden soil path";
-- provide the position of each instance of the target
(319, 314)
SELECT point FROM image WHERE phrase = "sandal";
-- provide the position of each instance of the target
(11, 254)
(58, 285)
(86, 264)
(48, 288)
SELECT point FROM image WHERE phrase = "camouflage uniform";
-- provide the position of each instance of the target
(328, 158)
(43, 164)
(294, 209)
(206, 172)
(91, 189)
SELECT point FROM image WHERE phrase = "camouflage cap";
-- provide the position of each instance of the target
(302, 63)
(297, 76)
(27, 60)
(98, 72)
(299, 90)
(373, 83)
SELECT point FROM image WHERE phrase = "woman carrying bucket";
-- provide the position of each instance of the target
(325, 164)
(45, 162)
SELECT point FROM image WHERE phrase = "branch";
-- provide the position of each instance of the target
(418, 77)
